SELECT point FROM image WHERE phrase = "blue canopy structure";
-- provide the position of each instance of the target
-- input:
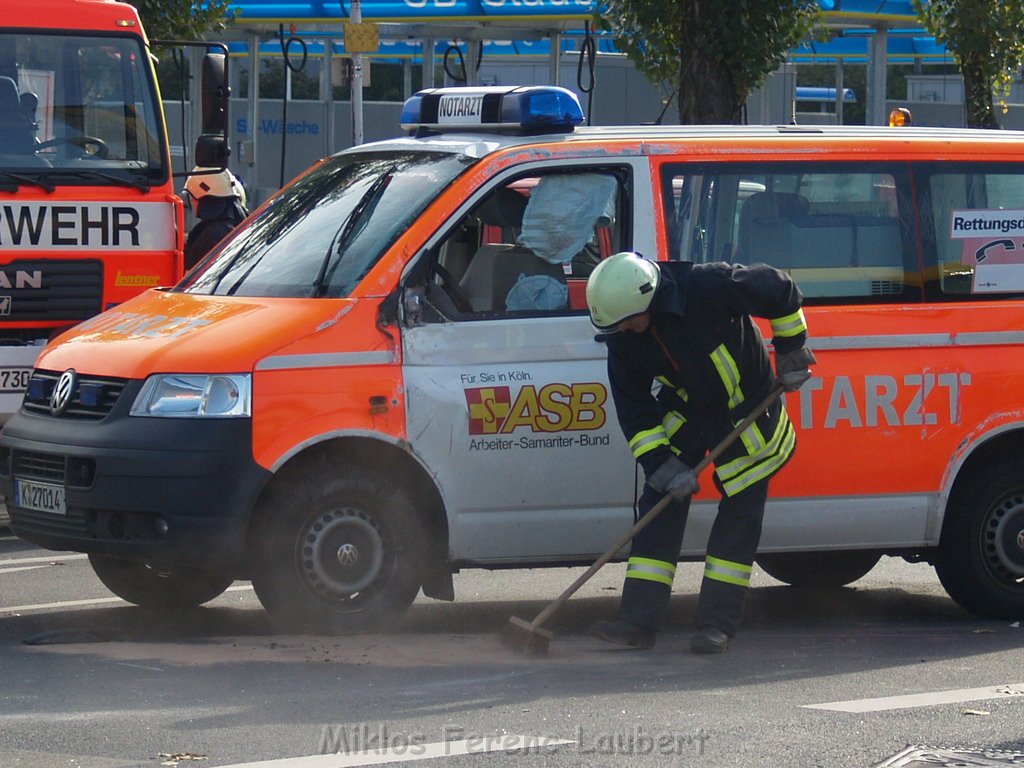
(854, 21)
(871, 32)
(316, 11)
(313, 11)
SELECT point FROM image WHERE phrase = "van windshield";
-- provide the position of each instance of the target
(322, 235)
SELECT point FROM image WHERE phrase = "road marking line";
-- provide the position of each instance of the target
(23, 568)
(922, 699)
(54, 558)
(409, 752)
(93, 601)
(63, 604)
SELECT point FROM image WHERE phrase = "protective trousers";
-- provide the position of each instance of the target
(727, 567)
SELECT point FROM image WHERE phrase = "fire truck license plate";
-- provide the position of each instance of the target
(14, 379)
(42, 497)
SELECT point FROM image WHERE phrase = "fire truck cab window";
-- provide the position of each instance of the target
(81, 107)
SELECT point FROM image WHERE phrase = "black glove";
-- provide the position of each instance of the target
(674, 477)
(792, 368)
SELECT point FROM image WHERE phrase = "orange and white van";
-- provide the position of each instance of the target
(388, 372)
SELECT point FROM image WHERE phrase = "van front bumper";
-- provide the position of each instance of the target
(171, 492)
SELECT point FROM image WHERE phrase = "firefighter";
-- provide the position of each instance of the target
(218, 202)
(686, 364)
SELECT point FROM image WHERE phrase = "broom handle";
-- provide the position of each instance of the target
(656, 510)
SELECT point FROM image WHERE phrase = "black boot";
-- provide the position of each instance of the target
(622, 633)
(709, 640)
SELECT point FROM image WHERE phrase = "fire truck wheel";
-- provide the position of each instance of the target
(339, 554)
(818, 569)
(147, 587)
(980, 561)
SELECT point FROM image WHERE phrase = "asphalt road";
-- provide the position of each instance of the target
(101, 684)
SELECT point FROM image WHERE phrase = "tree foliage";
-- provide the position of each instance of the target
(182, 19)
(985, 37)
(713, 53)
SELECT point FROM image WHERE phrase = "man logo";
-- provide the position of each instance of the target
(63, 392)
(5, 305)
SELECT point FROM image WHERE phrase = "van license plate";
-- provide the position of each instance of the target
(42, 497)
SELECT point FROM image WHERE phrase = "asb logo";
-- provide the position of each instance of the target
(550, 408)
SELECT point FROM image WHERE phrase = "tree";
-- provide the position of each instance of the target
(182, 19)
(712, 53)
(985, 38)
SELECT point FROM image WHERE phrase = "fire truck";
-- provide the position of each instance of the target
(88, 212)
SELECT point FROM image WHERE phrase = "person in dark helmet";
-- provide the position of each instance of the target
(686, 364)
(218, 202)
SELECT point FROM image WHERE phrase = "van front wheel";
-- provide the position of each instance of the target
(147, 587)
(337, 554)
(980, 561)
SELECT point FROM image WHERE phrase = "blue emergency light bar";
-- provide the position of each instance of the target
(530, 109)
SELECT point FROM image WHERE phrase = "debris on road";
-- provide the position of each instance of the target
(174, 758)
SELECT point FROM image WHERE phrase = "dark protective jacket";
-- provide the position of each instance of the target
(712, 366)
(218, 216)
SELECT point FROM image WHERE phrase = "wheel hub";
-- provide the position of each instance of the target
(1004, 536)
(342, 553)
(348, 555)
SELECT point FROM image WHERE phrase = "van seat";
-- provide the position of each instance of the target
(783, 230)
(495, 268)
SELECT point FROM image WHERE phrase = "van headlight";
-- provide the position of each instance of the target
(188, 395)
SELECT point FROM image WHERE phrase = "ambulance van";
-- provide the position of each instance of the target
(388, 373)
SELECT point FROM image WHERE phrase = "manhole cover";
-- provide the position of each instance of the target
(929, 757)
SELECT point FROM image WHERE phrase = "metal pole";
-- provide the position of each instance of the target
(555, 60)
(472, 57)
(356, 17)
(327, 96)
(406, 78)
(195, 97)
(839, 92)
(254, 111)
(427, 76)
(877, 59)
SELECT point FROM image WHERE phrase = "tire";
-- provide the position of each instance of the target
(823, 570)
(980, 561)
(338, 554)
(147, 587)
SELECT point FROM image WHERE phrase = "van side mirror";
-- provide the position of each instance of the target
(212, 150)
(215, 93)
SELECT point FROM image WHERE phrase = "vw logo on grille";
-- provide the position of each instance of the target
(348, 554)
(1020, 540)
(63, 392)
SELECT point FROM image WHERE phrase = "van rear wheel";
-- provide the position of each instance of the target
(338, 554)
(980, 561)
(818, 569)
(149, 587)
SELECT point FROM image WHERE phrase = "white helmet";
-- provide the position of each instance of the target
(620, 287)
(218, 184)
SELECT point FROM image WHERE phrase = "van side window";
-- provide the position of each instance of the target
(836, 228)
(529, 245)
(977, 220)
